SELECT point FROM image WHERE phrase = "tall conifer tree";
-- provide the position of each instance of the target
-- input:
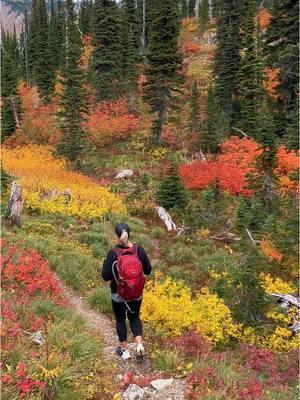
(191, 8)
(86, 16)
(130, 50)
(11, 105)
(213, 133)
(250, 75)
(55, 38)
(203, 15)
(282, 52)
(106, 62)
(227, 59)
(39, 55)
(72, 102)
(163, 57)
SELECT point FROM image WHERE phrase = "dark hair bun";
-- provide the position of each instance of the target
(120, 228)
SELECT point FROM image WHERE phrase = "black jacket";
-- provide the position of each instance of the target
(111, 257)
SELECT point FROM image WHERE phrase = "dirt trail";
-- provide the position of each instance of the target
(102, 325)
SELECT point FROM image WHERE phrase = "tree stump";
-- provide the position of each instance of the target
(15, 205)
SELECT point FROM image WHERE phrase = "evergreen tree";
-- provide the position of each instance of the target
(183, 9)
(6, 179)
(86, 16)
(171, 192)
(106, 63)
(164, 60)
(203, 15)
(213, 133)
(265, 180)
(130, 46)
(72, 102)
(282, 51)
(24, 49)
(195, 108)
(227, 60)
(55, 38)
(11, 105)
(250, 75)
(38, 52)
(191, 8)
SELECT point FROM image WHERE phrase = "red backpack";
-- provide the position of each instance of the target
(131, 280)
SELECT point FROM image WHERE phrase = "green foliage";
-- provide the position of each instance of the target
(250, 75)
(72, 101)
(227, 60)
(6, 179)
(130, 50)
(191, 8)
(157, 233)
(203, 15)
(242, 288)
(171, 192)
(55, 35)
(11, 105)
(284, 54)
(163, 62)
(106, 63)
(101, 300)
(213, 133)
(41, 72)
(166, 360)
(85, 17)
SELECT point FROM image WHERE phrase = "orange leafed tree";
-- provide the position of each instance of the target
(272, 82)
(39, 120)
(263, 18)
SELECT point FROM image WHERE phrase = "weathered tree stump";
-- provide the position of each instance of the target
(165, 216)
(15, 205)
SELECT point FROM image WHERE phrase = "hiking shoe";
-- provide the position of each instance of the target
(125, 354)
(140, 353)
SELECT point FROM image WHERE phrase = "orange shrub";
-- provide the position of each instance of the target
(110, 121)
(270, 251)
(191, 48)
(237, 158)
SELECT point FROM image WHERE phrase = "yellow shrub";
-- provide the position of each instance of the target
(275, 285)
(169, 308)
(39, 173)
(212, 318)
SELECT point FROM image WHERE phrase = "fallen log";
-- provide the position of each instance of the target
(165, 216)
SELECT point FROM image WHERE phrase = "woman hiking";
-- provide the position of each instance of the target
(125, 267)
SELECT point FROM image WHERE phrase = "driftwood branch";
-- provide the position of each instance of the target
(252, 240)
(165, 216)
(239, 130)
(15, 204)
(226, 236)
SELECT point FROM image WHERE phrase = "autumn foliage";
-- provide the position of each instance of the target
(263, 18)
(39, 120)
(45, 190)
(272, 81)
(110, 122)
(237, 159)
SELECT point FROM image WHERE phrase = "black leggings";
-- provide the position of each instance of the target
(135, 322)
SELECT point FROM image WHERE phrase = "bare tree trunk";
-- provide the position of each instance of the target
(15, 111)
(15, 205)
(143, 36)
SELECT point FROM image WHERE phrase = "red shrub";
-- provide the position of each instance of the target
(193, 344)
(251, 390)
